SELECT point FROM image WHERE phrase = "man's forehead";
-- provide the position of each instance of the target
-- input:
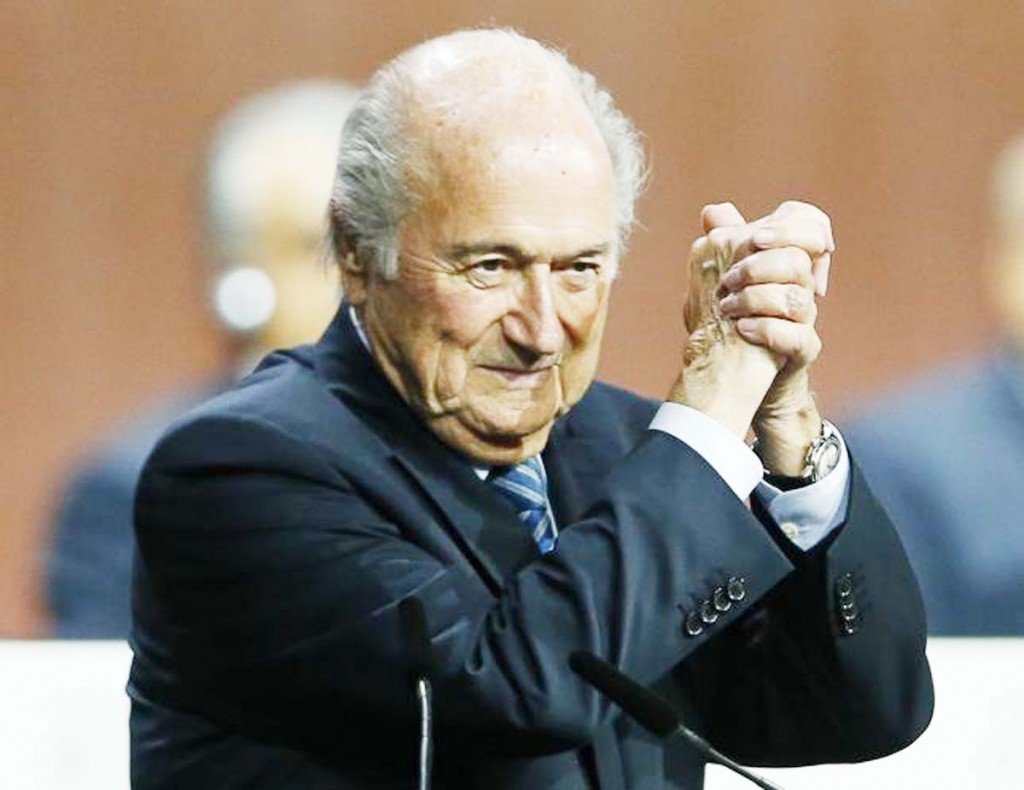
(497, 126)
(503, 125)
(493, 175)
(483, 76)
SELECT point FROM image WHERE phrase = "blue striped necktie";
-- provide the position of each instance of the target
(525, 485)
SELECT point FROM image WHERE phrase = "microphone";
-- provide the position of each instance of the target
(650, 710)
(416, 639)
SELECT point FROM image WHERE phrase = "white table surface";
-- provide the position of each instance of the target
(974, 742)
(64, 723)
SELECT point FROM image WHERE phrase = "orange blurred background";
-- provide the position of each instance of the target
(888, 114)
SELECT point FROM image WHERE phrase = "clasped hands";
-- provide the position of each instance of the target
(750, 314)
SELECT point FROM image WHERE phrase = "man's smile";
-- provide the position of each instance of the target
(521, 378)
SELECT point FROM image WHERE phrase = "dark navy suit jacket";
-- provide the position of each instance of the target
(280, 524)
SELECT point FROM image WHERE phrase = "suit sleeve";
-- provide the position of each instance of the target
(831, 667)
(271, 585)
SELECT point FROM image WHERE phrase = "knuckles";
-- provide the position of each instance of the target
(800, 305)
(796, 341)
(721, 240)
(799, 211)
(772, 287)
(793, 207)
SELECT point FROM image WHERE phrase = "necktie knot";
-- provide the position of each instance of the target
(525, 486)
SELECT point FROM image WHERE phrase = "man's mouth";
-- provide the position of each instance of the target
(521, 377)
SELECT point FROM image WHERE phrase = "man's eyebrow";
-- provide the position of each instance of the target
(460, 251)
(466, 250)
(590, 252)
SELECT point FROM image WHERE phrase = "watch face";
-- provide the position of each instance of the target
(829, 459)
(825, 453)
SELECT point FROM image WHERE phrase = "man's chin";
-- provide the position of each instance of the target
(491, 442)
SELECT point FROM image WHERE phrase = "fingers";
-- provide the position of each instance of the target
(710, 256)
(717, 215)
(775, 300)
(798, 343)
(728, 238)
(800, 225)
(813, 237)
(755, 283)
(768, 269)
(782, 265)
(820, 268)
(770, 297)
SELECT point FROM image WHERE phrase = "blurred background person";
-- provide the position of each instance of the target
(945, 454)
(267, 183)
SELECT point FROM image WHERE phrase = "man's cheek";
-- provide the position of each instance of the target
(576, 376)
(583, 314)
(580, 364)
(452, 371)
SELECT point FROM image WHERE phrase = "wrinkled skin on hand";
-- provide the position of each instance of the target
(750, 314)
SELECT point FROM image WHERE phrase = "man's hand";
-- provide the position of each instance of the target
(750, 313)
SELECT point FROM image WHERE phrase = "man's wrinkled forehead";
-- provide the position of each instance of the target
(492, 107)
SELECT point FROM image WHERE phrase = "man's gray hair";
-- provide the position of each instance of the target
(372, 195)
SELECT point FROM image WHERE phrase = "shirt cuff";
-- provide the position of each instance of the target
(727, 454)
(807, 515)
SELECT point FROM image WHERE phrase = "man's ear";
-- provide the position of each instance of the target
(353, 277)
(353, 272)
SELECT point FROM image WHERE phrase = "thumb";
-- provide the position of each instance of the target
(717, 215)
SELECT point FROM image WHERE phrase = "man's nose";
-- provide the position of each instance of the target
(533, 322)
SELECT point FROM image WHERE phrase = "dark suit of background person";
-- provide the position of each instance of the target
(281, 524)
(265, 222)
(945, 453)
(89, 560)
(945, 456)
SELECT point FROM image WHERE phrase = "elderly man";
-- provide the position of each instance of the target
(445, 441)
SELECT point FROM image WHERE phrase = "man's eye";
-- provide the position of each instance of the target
(583, 268)
(489, 265)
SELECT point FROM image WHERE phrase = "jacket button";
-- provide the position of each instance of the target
(844, 586)
(846, 603)
(694, 625)
(735, 589)
(720, 600)
(708, 613)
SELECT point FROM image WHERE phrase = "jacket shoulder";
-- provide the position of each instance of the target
(611, 410)
(278, 415)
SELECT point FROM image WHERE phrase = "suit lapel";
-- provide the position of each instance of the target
(479, 520)
(577, 464)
